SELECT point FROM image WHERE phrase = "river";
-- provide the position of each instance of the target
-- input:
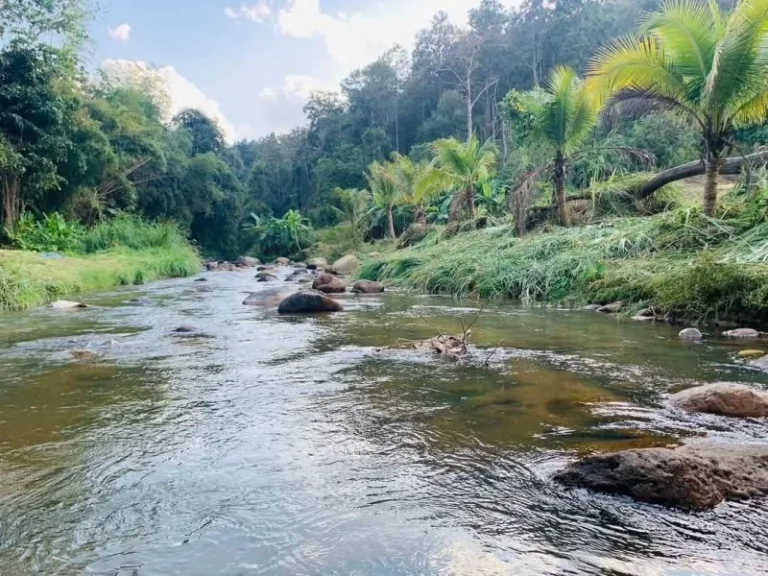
(326, 445)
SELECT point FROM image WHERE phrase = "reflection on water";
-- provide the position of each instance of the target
(328, 446)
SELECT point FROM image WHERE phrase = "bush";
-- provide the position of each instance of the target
(132, 233)
(289, 236)
(51, 234)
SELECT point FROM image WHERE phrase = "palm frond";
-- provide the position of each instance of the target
(688, 33)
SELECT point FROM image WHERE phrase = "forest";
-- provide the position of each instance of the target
(541, 114)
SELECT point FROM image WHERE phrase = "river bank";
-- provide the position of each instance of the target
(682, 264)
(30, 279)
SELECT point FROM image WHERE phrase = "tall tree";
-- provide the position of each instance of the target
(697, 62)
(205, 133)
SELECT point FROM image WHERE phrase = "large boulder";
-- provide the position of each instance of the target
(695, 477)
(212, 266)
(309, 302)
(329, 284)
(724, 398)
(346, 265)
(315, 263)
(265, 277)
(270, 298)
(248, 262)
(367, 287)
(298, 275)
(282, 261)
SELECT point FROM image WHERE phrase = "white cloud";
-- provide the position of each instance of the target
(351, 41)
(120, 33)
(254, 12)
(173, 91)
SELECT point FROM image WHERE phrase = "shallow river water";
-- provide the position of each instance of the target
(325, 445)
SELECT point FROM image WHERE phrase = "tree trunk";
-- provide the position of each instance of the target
(469, 107)
(562, 206)
(11, 208)
(732, 165)
(471, 202)
(710, 185)
(391, 223)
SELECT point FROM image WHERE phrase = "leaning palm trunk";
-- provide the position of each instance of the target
(562, 207)
(710, 185)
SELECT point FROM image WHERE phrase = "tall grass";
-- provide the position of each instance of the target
(132, 233)
(681, 261)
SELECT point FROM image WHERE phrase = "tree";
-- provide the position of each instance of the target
(384, 191)
(205, 132)
(35, 117)
(355, 210)
(460, 168)
(562, 117)
(694, 61)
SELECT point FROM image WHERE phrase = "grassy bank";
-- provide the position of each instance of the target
(119, 253)
(681, 262)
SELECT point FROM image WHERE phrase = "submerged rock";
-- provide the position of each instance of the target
(270, 298)
(329, 284)
(614, 308)
(367, 287)
(691, 334)
(592, 307)
(298, 276)
(751, 354)
(309, 302)
(746, 333)
(346, 265)
(760, 363)
(201, 279)
(724, 398)
(84, 355)
(696, 477)
(247, 262)
(265, 277)
(67, 305)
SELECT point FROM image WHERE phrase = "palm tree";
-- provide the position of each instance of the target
(693, 60)
(355, 209)
(407, 174)
(562, 117)
(383, 185)
(460, 168)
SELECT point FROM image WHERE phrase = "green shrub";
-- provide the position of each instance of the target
(53, 233)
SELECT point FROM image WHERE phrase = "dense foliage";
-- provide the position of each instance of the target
(435, 136)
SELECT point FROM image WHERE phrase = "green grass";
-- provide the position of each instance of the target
(27, 280)
(681, 261)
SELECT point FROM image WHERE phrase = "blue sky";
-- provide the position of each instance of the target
(253, 64)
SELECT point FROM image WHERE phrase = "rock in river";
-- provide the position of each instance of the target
(367, 287)
(67, 305)
(309, 302)
(346, 265)
(315, 263)
(724, 398)
(248, 262)
(265, 277)
(614, 308)
(268, 298)
(694, 477)
(692, 334)
(329, 284)
(746, 333)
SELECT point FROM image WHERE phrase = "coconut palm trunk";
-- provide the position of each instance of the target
(562, 206)
(710, 184)
(391, 223)
(471, 202)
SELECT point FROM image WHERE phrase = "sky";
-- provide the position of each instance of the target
(252, 65)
